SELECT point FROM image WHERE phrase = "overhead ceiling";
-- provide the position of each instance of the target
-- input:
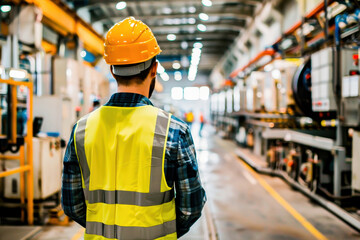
(226, 20)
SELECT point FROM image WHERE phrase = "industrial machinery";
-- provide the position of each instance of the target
(302, 114)
(47, 88)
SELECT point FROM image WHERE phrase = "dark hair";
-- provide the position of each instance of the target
(138, 78)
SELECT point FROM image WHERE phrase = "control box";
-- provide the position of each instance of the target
(322, 77)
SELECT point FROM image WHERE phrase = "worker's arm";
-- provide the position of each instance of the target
(190, 195)
(72, 197)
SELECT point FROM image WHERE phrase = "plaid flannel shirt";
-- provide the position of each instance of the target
(181, 171)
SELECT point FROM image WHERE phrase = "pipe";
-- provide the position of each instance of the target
(331, 207)
(326, 20)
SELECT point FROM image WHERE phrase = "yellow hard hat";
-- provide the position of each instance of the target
(128, 42)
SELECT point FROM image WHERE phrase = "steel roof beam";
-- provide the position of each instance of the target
(116, 18)
(252, 3)
(193, 29)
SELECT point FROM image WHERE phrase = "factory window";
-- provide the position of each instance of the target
(191, 93)
(177, 93)
(204, 93)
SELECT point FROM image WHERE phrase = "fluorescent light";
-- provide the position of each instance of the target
(5, 8)
(177, 93)
(195, 61)
(204, 93)
(192, 9)
(204, 16)
(164, 76)
(198, 45)
(196, 51)
(177, 76)
(268, 68)
(167, 10)
(18, 73)
(207, 3)
(191, 20)
(176, 65)
(121, 5)
(184, 45)
(83, 53)
(160, 69)
(171, 37)
(192, 72)
(191, 93)
(201, 27)
(198, 38)
(276, 74)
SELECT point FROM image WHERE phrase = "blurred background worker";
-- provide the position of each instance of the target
(189, 118)
(114, 159)
(202, 122)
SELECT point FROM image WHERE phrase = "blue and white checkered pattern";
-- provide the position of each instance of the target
(181, 169)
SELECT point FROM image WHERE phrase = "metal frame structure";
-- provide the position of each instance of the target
(28, 154)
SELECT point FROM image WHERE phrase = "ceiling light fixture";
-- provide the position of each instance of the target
(160, 68)
(18, 73)
(165, 77)
(5, 8)
(191, 20)
(121, 5)
(83, 53)
(207, 3)
(184, 45)
(176, 65)
(204, 16)
(192, 9)
(201, 27)
(198, 45)
(171, 37)
(167, 10)
(177, 76)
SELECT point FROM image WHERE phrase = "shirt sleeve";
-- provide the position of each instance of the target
(72, 197)
(190, 195)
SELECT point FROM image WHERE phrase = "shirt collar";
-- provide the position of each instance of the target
(128, 100)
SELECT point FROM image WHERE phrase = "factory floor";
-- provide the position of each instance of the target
(241, 203)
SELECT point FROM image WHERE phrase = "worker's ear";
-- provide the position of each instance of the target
(153, 69)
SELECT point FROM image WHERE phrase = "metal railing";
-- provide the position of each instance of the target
(25, 166)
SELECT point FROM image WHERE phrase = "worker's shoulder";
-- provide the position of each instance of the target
(178, 124)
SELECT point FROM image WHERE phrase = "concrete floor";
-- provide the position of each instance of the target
(243, 209)
(239, 205)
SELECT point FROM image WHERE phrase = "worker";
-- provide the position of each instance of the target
(202, 122)
(189, 118)
(130, 169)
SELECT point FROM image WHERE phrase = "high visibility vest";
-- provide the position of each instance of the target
(121, 153)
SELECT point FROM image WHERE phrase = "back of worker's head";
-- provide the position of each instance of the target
(131, 49)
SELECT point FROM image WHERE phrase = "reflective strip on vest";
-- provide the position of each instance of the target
(158, 151)
(130, 233)
(128, 198)
(80, 149)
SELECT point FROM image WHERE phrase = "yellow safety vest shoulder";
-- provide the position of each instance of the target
(121, 153)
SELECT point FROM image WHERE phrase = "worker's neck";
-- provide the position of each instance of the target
(134, 89)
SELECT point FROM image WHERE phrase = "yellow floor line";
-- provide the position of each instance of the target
(79, 234)
(307, 225)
